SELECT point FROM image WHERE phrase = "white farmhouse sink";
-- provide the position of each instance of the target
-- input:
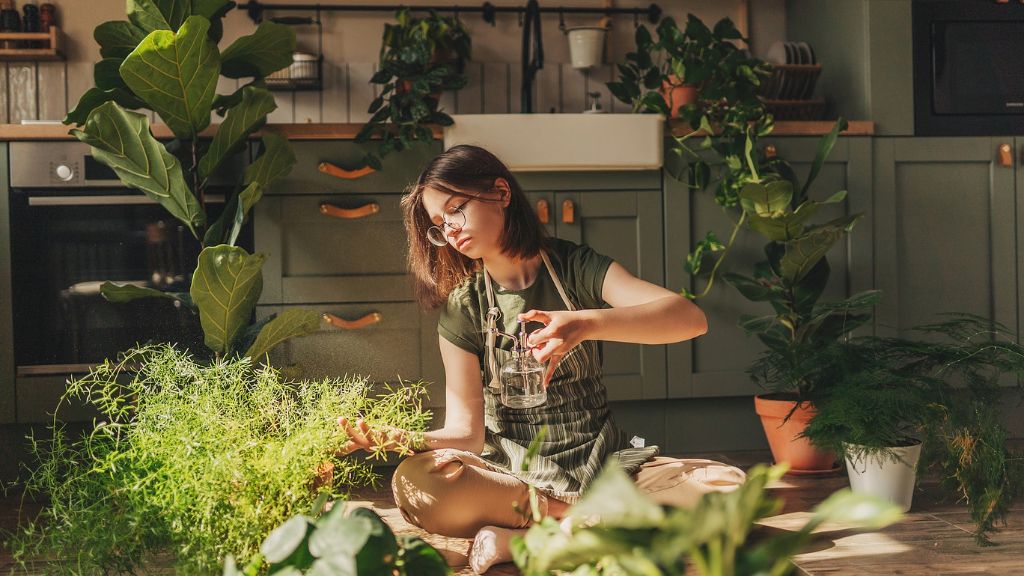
(561, 142)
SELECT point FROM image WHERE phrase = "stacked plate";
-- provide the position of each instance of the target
(796, 71)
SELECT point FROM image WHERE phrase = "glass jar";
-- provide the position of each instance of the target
(522, 380)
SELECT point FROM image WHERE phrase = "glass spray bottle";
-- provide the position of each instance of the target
(521, 376)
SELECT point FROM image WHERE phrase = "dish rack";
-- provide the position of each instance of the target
(787, 94)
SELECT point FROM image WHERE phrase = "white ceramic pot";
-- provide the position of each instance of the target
(886, 477)
(586, 45)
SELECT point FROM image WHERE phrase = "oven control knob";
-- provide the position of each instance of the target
(64, 172)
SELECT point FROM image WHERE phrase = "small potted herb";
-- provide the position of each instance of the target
(419, 58)
(889, 398)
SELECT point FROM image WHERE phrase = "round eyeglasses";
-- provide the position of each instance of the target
(454, 219)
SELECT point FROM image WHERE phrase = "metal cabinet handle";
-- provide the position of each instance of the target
(339, 172)
(1005, 155)
(338, 322)
(568, 211)
(543, 212)
(349, 213)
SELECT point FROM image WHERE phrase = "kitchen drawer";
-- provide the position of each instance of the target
(400, 169)
(386, 350)
(316, 257)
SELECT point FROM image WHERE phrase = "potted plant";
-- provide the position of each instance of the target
(167, 60)
(792, 279)
(937, 397)
(419, 58)
(681, 69)
(190, 461)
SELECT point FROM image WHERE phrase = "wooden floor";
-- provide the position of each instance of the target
(933, 540)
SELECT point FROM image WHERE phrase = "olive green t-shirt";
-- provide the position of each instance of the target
(581, 434)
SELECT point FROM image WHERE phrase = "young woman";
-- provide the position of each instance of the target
(478, 251)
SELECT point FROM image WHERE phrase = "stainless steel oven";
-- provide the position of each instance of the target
(74, 226)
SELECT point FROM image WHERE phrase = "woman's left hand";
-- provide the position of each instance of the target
(562, 331)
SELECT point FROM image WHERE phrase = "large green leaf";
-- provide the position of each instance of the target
(122, 140)
(242, 120)
(118, 38)
(782, 227)
(614, 498)
(176, 74)
(107, 74)
(766, 198)
(292, 322)
(266, 50)
(752, 289)
(150, 15)
(128, 292)
(235, 214)
(828, 141)
(226, 285)
(803, 253)
(275, 161)
(94, 97)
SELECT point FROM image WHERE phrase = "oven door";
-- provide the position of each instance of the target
(64, 244)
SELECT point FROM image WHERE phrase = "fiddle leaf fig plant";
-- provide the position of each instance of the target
(166, 58)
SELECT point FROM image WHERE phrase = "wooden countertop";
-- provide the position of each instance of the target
(347, 131)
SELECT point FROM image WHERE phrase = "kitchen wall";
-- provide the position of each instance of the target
(351, 42)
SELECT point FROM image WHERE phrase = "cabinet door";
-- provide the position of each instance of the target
(625, 225)
(332, 248)
(716, 364)
(945, 230)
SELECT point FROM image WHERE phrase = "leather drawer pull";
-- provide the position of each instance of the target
(542, 211)
(568, 212)
(1005, 155)
(349, 213)
(339, 172)
(338, 322)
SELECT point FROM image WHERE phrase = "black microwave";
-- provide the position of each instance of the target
(968, 67)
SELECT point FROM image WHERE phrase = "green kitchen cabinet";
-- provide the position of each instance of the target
(619, 215)
(715, 364)
(946, 217)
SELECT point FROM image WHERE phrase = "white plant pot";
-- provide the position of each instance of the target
(586, 45)
(885, 478)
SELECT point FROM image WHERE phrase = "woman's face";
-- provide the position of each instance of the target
(480, 236)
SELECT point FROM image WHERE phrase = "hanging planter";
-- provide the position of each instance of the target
(586, 45)
(889, 474)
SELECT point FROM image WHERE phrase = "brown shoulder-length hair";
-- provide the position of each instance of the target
(470, 172)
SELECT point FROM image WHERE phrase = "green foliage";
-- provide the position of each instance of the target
(419, 59)
(122, 140)
(943, 388)
(176, 75)
(165, 58)
(341, 543)
(193, 460)
(618, 530)
(793, 278)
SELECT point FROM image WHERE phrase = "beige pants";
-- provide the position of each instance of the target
(454, 493)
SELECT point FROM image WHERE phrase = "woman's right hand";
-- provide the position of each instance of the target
(361, 436)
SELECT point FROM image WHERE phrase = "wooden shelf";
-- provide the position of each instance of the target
(53, 39)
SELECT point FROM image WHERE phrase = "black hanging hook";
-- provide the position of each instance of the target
(488, 12)
(561, 20)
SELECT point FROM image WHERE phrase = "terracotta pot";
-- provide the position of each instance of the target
(677, 95)
(783, 435)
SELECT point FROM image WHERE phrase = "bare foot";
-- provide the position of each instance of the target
(490, 547)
